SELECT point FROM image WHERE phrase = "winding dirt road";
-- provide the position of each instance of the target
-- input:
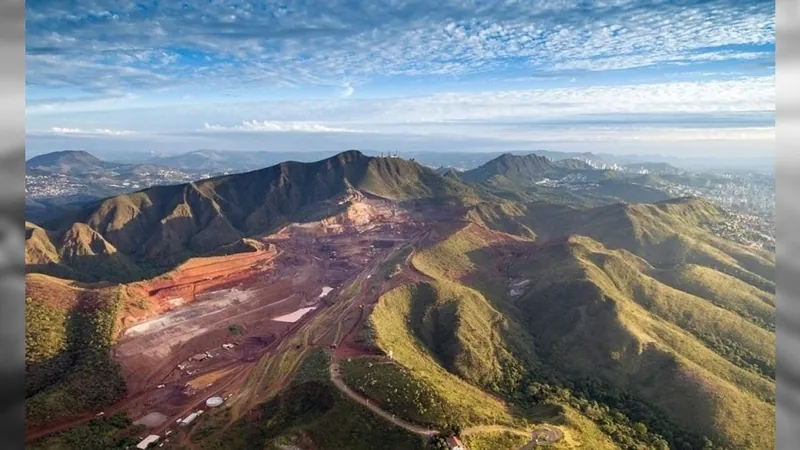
(540, 436)
(336, 378)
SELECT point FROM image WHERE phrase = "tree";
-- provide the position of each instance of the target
(236, 330)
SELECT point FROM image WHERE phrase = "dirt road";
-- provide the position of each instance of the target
(336, 378)
(494, 429)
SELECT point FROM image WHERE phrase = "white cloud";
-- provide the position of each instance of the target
(741, 95)
(205, 52)
(273, 126)
(659, 108)
(96, 131)
(326, 44)
(110, 99)
(610, 135)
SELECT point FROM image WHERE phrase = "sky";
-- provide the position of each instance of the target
(678, 78)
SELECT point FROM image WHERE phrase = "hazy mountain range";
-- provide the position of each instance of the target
(211, 160)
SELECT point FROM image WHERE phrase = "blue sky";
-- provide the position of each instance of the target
(671, 77)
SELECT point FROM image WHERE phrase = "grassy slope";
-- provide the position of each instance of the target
(718, 328)
(642, 338)
(508, 169)
(667, 234)
(310, 410)
(519, 174)
(495, 441)
(431, 326)
(723, 290)
(503, 215)
(394, 323)
(69, 332)
(642, 332)
(671, 233)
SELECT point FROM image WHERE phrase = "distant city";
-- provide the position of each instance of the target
(41, 186)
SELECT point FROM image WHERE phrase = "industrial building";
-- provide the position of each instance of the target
(147, 441)
(190, 418)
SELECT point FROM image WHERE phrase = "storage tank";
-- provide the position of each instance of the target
(213, 402)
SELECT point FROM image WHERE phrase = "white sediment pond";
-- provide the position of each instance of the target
(295, 316)
(152, 420)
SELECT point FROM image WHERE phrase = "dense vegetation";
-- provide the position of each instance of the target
(400, 393)
(407, 392)
(68, 357)
(236, 330)
(47, 355)
(393, 323)
(108, 433)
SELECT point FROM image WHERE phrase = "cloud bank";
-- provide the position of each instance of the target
(501, 71)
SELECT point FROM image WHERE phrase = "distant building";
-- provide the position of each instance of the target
(190, 418)
(455, 443)
(147, 441)
(199, 357)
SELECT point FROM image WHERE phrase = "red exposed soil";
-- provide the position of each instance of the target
(189, 311)
(203, 274)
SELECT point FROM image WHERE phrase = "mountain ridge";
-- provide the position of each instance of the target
(515, 168)
(171, 223)
(596, 311)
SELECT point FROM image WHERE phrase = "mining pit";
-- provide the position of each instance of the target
(211, 319)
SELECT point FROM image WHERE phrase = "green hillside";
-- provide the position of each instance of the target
(68, 337)
(309, 410)
(667, 234)
(608, 317)
(724, 291)
(593, 315)
(443, 349)
(625, 191)
(521, 175)
(435, 341)
(509, 169)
